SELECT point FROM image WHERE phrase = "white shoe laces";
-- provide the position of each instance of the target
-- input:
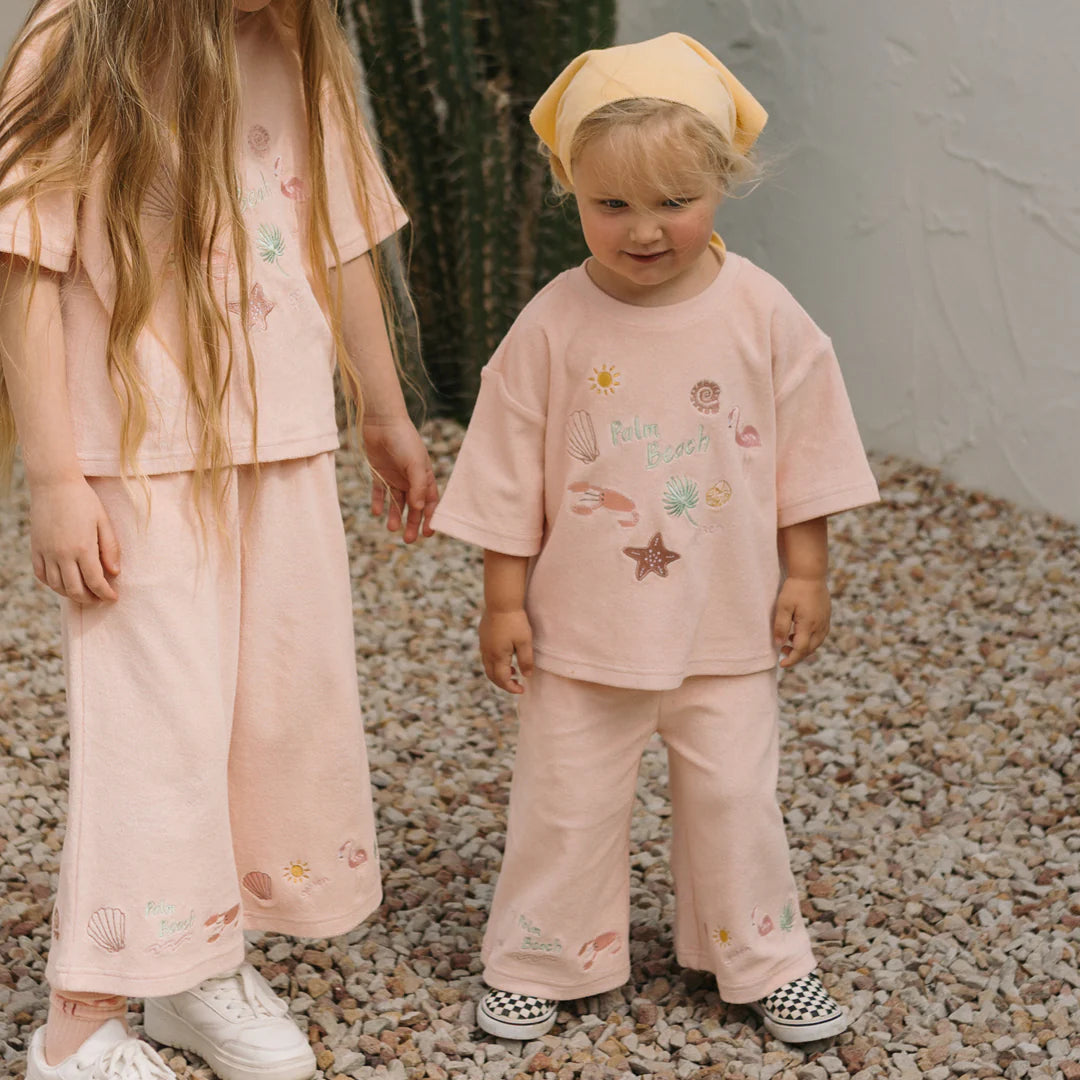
(243, 995)
(131, 1059)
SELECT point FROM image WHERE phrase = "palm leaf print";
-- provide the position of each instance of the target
(680, 497)
(271, 244)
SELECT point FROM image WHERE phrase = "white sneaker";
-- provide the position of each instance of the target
(236, 1024)
(111, 1053)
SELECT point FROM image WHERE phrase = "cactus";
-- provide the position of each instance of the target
(451, 85)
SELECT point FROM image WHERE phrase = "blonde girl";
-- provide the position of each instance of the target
(654, 451)
(189, 212)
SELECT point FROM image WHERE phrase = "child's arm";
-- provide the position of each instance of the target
(803, 606)
(395, 451)
(504, 627)
(72, 543)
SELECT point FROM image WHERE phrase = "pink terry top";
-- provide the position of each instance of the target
(289, 334)
(644, 458)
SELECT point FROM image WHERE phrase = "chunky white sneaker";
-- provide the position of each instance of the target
(516, 1016)
(236, 1024)
(111, 1053)
(801, 1011)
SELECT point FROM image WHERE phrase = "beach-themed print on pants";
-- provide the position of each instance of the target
(107, 928)
(607, 942)
(353, 855)
(220, 921)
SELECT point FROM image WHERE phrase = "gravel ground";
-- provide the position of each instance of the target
(930, 780)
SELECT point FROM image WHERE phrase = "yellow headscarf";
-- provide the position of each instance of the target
(673, 67)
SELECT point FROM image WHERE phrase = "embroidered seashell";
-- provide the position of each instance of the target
(718, 495)
(107, 928)
(581, 437)
(259, 884)
(705, 396)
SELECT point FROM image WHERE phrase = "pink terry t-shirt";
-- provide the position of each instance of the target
(289, 334)
(644, 458)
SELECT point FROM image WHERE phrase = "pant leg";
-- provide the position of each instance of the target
(737, 907)
(300, 797)
(560, 915)
(147, 865)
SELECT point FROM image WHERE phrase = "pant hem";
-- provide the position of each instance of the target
(328, 926)
(744, 993)
(514, 984)
(94, 981)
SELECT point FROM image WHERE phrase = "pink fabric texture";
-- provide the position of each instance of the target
(559, 920)
(219, 775)
(289, 334)
(645, 458)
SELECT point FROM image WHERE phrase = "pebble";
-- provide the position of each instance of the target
(929, 779)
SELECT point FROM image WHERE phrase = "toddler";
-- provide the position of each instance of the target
(655, 449)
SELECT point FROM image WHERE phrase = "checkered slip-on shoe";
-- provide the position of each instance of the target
(801, 1011)
(515, 1016)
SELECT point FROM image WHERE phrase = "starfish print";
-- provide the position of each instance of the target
(259, 307)
(653, 559)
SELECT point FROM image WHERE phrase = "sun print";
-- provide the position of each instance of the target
(604, 380)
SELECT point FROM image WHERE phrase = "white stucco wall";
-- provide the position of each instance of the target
(924, 206)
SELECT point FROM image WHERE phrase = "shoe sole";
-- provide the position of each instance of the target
(165, 1027)
(522, 1030)
(803, 1033)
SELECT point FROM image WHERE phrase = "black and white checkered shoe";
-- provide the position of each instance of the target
(515, 1016)
(801, 1011)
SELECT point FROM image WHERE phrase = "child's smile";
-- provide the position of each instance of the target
(649, 247)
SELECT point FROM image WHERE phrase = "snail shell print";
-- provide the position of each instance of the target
(705, 396)
(107, 928)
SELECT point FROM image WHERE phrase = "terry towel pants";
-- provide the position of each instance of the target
(560, 916)
(219, 779)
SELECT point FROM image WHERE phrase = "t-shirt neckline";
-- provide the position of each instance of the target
(680, 313)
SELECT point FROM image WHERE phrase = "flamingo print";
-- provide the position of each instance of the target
(746, 435)
(353, 855)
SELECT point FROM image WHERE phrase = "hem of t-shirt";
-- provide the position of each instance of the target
(506, 544)
(20, 242)
(158, 464)
(634, 678)
(359, 244)
(833, 502)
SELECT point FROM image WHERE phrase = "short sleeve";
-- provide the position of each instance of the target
(346, 221)
(495, 496)
(821, 467)
(55, 209)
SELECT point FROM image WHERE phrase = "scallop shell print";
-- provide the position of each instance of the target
(581, 437)
(259, 884)
(705, 396)
(107, 927)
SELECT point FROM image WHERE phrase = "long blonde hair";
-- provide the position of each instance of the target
(126, 89)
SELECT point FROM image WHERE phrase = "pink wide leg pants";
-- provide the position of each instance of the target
(560, 915)
(219, 778)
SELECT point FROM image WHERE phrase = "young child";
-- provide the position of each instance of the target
(655, 426)
(188, 204)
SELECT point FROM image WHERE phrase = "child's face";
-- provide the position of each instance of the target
(649, 246)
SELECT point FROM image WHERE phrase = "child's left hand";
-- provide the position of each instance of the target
(802, 618)
(399, 462)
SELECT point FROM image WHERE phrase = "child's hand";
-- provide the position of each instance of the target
(802, 618)
(502, 634)
(72, 542)
(399, 461)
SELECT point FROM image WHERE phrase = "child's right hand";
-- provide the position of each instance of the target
(72, 542)
(502, 634)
